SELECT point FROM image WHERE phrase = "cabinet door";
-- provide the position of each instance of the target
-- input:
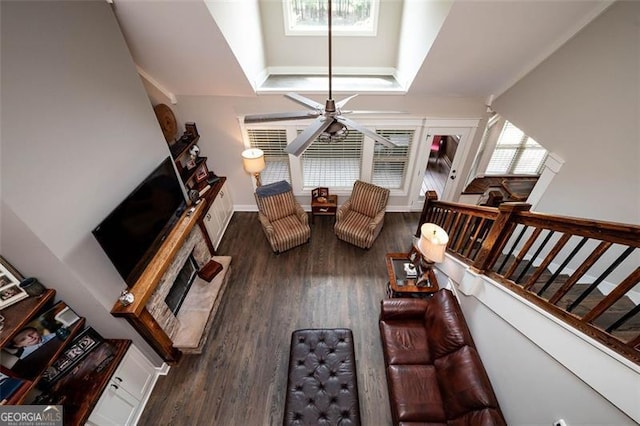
(212, 223)
(226, 205)
(135, 374)
(116, 407)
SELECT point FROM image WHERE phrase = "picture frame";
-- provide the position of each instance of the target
(320, 194)
(33, 346)
(11, 386)
(80, 347)
(202, 172)
(10, 290)
(191, 129)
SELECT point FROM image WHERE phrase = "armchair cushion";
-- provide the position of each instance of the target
(360, 219)
(368, 199)
(285, 223)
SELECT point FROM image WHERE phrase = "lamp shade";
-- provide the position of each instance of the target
(433, 242)
(253, 160)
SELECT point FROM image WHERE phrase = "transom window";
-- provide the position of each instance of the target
(516, 153)
(352, 17)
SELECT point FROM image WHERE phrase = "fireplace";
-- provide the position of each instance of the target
(182, 284)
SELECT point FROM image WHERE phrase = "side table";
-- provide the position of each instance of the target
(401, 286)
(326, 208)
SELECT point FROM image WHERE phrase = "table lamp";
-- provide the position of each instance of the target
(432, 245)
(253, 162)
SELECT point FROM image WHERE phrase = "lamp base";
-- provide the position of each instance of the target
(426, 278)
(258, 181)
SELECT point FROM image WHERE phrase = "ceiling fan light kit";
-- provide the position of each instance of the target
(329, 125)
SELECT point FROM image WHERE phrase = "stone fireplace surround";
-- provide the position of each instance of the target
(170, 334)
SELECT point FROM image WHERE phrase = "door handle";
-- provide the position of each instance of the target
(452, 177)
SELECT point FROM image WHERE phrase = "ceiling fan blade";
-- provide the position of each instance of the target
(371, 112)
(373, 135)
(345, 100)
(280, 116)
(304, 139)
(304, 101)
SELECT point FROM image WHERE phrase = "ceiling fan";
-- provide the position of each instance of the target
(330, 124)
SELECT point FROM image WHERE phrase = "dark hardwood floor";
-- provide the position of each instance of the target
(241, 377)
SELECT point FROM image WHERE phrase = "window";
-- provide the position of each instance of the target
(336, 165)
(272, 142)
(390, 164)
(309, 17)
(516, 153)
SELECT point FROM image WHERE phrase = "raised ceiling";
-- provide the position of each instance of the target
(461, 48)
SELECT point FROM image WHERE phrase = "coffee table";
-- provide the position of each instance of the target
(401, 286)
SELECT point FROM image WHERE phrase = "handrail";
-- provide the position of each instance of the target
(565, 265)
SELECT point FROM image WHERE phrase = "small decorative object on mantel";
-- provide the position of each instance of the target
(126, 298)
(32, 286)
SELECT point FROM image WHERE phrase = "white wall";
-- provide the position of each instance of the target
(542, 370)
(582, 103)
(78, 134)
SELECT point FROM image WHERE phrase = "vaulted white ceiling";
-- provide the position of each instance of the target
(462, 48)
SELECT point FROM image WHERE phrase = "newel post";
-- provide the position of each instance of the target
(498, 235)
(429, 197)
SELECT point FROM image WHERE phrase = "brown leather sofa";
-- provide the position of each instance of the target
(434, 373)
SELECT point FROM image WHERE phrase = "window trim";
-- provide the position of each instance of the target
(336, 30)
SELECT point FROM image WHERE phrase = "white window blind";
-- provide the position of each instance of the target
(336, 165)
(390, 164)
(516, 153)
(272, 142)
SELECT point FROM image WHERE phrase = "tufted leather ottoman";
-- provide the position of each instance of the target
(322, 387)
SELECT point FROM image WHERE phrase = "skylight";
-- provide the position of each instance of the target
(352, 18)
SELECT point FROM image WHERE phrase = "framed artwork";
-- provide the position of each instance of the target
(320, 194)
(202, 172)
(10, 290)
(84, 343)
(31, 349)
(191, 129)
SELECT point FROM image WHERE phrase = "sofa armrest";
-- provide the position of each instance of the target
(402, 309)
(302, 215)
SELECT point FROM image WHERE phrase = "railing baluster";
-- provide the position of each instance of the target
(471, 242)
(620, 290)
(429, 198)
(513, 247)
(563, 265)
(586, 265)
(534, 257)
(462, 234)
(601, 278)
(547, 261)
(452, 229)
(522, 253)
(626, 317)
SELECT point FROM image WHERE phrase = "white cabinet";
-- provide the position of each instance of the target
(219, 215)
(123, 400)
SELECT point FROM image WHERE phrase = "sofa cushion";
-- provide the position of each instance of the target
(415, 393)
(404, 342)
(484, 417)
(445, 325)
(464, 383)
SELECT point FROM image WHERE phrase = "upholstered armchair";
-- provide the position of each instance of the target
(359, 220)
(285, 223)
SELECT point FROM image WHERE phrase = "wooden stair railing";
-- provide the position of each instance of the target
(546, 258)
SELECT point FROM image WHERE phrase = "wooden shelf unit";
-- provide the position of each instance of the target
(179, 148)
(18, 315)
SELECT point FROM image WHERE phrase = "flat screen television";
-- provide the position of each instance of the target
(132, 233)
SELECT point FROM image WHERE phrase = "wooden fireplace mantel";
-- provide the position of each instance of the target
(136, 313)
